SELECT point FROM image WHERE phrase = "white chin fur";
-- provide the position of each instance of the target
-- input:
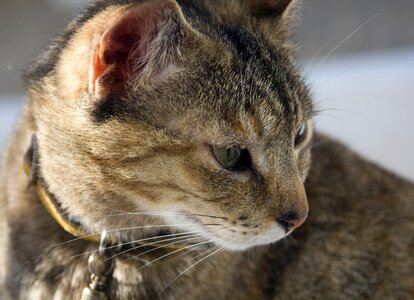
(237, 242)
(274, 234)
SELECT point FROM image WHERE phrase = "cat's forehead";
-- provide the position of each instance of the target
(251, 75)
(233, 105)
(260, 88)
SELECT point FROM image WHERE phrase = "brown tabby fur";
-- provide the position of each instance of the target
(232, 82)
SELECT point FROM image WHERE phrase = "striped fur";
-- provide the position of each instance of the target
(218, 73)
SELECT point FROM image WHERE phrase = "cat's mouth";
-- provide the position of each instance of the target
(229, 235)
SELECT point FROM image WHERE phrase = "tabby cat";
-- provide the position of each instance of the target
(183, 129)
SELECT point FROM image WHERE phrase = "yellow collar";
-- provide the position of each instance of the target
(30, 168)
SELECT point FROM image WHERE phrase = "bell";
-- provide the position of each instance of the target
(101, 265)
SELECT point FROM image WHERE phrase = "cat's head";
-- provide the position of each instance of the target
(189, 111)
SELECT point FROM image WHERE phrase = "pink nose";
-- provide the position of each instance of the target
(292, 220)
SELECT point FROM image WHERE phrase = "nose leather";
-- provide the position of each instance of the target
(292, 220)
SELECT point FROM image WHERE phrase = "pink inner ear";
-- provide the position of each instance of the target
(123, 49)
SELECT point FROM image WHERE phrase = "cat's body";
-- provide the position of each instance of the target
(97, 157)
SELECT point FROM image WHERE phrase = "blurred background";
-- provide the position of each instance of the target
(358, 57)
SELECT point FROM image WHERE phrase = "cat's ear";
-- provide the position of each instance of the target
(140, 43)
(275, 15)
(270, 8)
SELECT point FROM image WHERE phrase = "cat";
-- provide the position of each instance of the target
(185, 127)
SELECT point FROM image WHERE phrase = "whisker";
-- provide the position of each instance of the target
(202, 254)
(365, 95)
(164, 246)
(132, 242)
(312, 61)
(192, 266)
(187, 234)
(321, 114)
(185, 238)
(347, 38)
(189, 250)
(319, 111)
(121, 213)
(175, 251)
(131, 228)
(178, 256)
(319, 84)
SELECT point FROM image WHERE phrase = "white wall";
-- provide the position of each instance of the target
(367, 101)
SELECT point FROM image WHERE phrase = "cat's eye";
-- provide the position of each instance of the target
(232, 158)
(301, 134)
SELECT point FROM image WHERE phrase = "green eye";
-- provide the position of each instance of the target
(231, 158)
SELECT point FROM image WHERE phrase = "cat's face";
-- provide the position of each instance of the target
(163, 110)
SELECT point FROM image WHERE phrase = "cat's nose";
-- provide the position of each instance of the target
(291, 220)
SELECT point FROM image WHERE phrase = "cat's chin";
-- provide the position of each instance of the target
(274, 234)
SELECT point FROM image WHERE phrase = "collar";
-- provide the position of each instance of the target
(31, 166)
